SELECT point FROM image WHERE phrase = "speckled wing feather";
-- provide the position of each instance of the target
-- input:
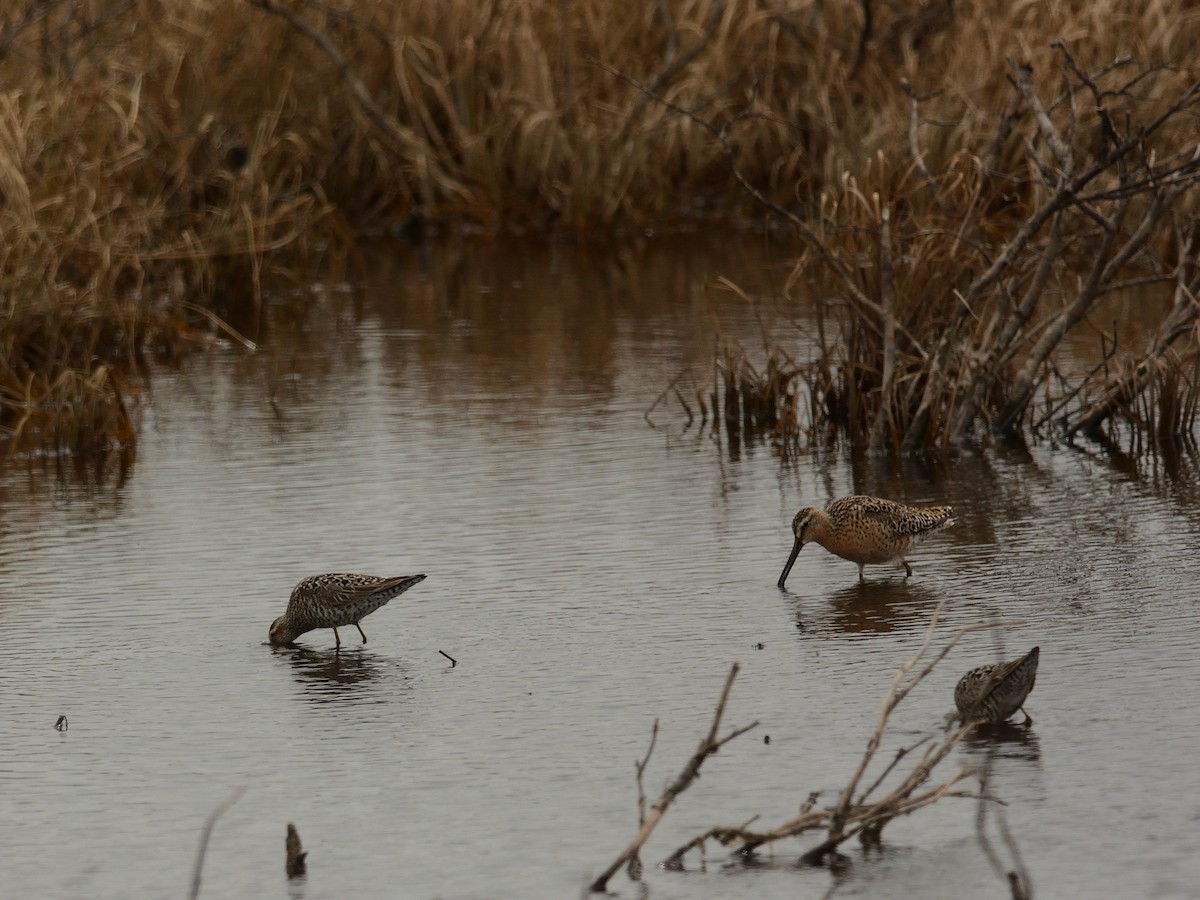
(909, 520)
(337, 598)
(348, 589)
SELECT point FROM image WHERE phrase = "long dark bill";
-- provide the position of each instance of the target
(796, 548)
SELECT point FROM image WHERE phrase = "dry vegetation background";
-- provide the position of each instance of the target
(161, 161)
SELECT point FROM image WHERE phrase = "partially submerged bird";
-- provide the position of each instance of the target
(993, 693)
(865, 530)
(294, 863)
(328, 601)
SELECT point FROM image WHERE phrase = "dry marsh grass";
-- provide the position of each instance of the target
(162, 158)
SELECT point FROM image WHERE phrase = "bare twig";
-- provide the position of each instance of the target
(221, 324)
(634, 867)
(900, 754)
(1178, 322)
(845, 819)
(663, 396)
(708, 746)
(641, 770)
(204, 835)
(884, 427)
(672, 64)
(914, 135)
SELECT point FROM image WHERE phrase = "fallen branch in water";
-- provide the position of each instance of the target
(708, 746)
(864, 817)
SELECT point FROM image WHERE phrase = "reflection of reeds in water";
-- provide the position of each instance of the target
(1157, 395)
(330, 676)
(838, 393)
(752, 401)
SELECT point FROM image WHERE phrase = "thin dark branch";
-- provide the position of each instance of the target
(204, 836)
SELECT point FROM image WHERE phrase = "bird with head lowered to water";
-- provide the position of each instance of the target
(333, 600)
(866, 530)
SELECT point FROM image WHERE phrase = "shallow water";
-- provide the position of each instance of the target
(478, 415)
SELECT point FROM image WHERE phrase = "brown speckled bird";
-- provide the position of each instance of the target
(294, 862)
(866, 529)
(993, 693)
(327, 601)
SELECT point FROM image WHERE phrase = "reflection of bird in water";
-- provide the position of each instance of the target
(871, 608)
(866, 530)
(327, 601)
(992, 693)
(328, 675)
(989, 741)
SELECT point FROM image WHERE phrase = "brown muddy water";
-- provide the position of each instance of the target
(477, 415)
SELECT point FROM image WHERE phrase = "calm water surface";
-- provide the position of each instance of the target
(478, 415)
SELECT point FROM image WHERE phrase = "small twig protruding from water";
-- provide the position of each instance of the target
(663, 396)
(453, 661)
(220, 324)
(62, 724)
(294, 863)
(641, 770)
(204, 836)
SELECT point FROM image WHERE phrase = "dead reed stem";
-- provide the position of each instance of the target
(887, 292)
(931, 360)
(143, 170)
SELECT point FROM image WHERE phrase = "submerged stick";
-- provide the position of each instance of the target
(204, 836)
(708, 746)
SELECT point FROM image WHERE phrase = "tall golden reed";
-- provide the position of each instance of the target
(159, 156)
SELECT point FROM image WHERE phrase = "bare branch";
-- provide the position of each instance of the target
(845, 819)
(884, 426)
(710, 745)
(204, 836)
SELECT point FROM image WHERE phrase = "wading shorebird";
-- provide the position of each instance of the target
(866, 530)
(993, 693)
(327, 601)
